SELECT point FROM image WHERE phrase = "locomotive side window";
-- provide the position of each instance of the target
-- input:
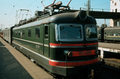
(37, 32)
(46, 32)
(23, 33)
(29, 32)
(91, 32)
(70, 32)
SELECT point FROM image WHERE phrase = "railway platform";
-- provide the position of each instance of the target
(109, 47)
(14, 65)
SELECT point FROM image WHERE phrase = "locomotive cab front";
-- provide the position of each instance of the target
(74, 47)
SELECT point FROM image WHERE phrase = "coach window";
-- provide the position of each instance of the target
(118, 34)
(19, 33)
(29, 32)
(4, 34)
(16, 33)
(105, 34)
(23, 33)
(46, 32)
(37, 32)
(112, 34)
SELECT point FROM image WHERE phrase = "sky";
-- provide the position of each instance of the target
(10, 10)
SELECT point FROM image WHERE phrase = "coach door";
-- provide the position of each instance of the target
(46, 40)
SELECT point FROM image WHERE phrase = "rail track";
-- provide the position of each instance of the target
(113, 64)
(111, 68)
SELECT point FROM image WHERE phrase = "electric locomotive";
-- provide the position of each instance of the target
(64, 41)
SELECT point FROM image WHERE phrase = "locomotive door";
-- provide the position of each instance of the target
(46, 40)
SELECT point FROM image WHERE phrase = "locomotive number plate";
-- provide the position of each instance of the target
(85, 53)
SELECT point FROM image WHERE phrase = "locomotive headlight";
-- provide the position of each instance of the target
(69, 53)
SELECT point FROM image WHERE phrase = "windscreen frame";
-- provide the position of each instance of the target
(58, 34)
(91, 39)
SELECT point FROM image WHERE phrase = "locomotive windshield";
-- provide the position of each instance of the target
(70, 32)
(91, 32)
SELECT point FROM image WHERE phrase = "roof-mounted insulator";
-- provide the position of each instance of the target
(67, 5)
(42, 3)
(45, 7)
(37, 13)
(58, 4)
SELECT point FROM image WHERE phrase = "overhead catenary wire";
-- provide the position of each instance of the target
(22, 14)
(34, 2)
(11, 11)
(31, 4)
(91, 5)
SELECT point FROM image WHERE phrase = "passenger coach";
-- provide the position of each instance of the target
(7, 35)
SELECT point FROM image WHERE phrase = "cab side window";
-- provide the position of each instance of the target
(23, 32)
(19, 33)
(37, 32)
(46, 32)
(16, 33)
(29, 32)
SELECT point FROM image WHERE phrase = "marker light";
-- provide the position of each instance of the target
(70, 54)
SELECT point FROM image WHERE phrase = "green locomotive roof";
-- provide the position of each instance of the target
(72, 17)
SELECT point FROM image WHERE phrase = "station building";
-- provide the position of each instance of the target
(115, 7)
